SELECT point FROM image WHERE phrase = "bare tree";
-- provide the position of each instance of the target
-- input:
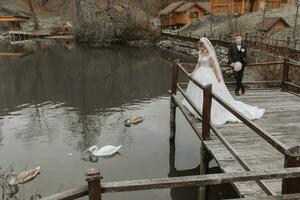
(99, 26)
(35, 19)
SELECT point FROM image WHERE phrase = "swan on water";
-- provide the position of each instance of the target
(104, 151)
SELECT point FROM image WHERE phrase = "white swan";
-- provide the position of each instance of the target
(104, 151)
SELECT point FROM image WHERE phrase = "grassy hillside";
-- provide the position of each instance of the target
(245, 23)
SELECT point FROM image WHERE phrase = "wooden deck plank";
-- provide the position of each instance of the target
(281, 120)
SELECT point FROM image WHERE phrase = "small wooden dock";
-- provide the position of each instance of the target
(281, 120)
(261, 145)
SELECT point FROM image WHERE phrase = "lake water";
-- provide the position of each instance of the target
(62, 99)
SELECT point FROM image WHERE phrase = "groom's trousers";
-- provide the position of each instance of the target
(239, 78)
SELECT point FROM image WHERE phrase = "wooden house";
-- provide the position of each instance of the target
(272, 23)
(181, 13)
(8, 23)
(237, 7)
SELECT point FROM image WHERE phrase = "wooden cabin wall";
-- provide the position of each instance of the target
(223, 7)
(184, 18)
(220, 7)
(167, 21)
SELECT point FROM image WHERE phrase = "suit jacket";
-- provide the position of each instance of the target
(234, 55)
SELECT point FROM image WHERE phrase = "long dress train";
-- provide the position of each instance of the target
(219, 115)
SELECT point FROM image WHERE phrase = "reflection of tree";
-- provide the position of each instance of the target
(90, 82)
(114, 75)
(85, 118)
(37, 118)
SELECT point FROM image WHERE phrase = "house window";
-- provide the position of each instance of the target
(194, 14)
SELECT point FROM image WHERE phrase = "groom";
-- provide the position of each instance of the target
(238, 53)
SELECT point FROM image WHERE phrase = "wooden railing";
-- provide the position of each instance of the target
(286, 82)
(288, 47)
(292, 155)
(248, 37)
(95, 188)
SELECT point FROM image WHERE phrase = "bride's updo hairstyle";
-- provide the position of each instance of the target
(201, 46)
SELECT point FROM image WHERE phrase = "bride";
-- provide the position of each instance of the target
(208, 71)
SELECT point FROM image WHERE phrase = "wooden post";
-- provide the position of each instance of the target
(246, 37)
(93, 178)
(172, 119)
(175, 76)
(288, 40)
(172, 168)
(206, 112)
(285, 74)
(292, 159)
(172, 101)
(205, 158)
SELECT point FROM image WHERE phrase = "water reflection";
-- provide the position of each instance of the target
(60, 100)
(86, 81)
(184, 192)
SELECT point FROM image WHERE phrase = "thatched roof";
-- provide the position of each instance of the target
(184, 7)
(171, 8)
(269, 22)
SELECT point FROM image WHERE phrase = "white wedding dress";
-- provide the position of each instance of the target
(219, 115)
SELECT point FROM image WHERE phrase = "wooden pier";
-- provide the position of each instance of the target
(280, 121)
(266, 144)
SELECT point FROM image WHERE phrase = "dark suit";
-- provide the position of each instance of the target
(235, 55)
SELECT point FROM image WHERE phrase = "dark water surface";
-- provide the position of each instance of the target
(57, 102)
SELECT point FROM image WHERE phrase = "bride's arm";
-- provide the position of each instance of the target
(212, 64)
(197, 65)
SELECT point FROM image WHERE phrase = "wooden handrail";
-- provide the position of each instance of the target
(293, 64)
(183, 69)
(240, 160)
(292, 84)
(253, 126)
(189, 101)
(292, 155)
(275, 197)
(249, 65)
(282, 148)
(186, 181)
(70, 194)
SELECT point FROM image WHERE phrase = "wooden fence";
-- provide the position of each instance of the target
(285, 48)
(95, 188)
